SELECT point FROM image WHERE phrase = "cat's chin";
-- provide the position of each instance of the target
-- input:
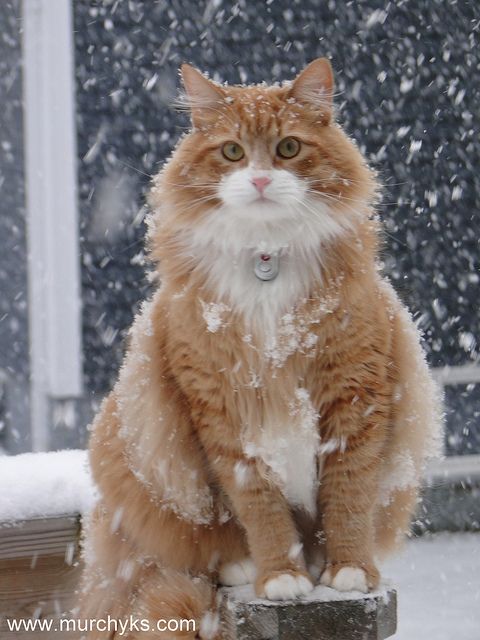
(233, 229)
(262, 210)
(264, 201)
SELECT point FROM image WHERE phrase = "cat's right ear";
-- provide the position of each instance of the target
(203, 97)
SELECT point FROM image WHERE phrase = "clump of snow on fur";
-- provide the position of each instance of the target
(209, 625)
(213, 313)
(255, 380)
(295, 333)
(295, 551)
(292, 335)
(194, 502)
(116, 519)
(403, 475)
(134, 372)
(154, 453)
(242, 473)
(287, 444)
(333, 444)
(224, 514)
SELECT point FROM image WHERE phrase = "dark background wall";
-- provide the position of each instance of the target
(408, 76)
(14, 386)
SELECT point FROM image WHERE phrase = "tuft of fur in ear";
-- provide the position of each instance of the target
(203, 97)
(315, 86)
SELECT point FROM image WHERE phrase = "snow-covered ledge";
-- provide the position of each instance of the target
(44, 485)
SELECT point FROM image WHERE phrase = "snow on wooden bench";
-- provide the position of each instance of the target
(42, 498)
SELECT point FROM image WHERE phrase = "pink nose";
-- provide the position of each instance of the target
(261, 182)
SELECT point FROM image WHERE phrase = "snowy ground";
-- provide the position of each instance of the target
(438, 580)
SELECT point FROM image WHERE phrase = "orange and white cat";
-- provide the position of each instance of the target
(274, 409)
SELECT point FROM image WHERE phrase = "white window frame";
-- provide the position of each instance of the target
(455, 467)
(52, 216)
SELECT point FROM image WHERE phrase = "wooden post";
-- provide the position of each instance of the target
(324, 615)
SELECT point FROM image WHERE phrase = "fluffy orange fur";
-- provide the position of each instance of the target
(292, 436)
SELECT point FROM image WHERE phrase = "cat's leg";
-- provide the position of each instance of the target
(347, 500)
(272, 536)
(255, 498)
(273, 540)
(356, 422)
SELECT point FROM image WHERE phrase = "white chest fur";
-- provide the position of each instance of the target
(225, 248)
(289, 448)
(227, 245)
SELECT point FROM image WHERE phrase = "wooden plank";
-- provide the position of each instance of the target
(40, 536)
(39, 572)
(453, 468)
(462, 374)
(44, 590)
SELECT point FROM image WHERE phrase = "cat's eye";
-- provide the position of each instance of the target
(288, 147)
(232, 151)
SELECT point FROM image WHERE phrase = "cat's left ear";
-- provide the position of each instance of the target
(315, 86)
(204, 97)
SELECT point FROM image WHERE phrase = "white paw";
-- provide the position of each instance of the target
(287, 587)
(209, 625)
(233, 574)
(346, 579)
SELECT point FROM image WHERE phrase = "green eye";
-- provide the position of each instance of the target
(232, 151)
(288, 147)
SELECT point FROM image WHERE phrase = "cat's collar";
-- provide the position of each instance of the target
(266, 266)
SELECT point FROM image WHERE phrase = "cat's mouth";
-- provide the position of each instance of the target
(262, 199)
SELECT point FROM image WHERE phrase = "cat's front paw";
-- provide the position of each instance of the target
(286, 585)
(350, 578)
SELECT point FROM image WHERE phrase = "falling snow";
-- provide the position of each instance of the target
(406, 95)
(408, 92)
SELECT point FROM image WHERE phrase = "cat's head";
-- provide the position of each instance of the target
(265, 158)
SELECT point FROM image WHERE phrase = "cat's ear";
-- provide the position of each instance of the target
(204, 97)
(315, 86)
